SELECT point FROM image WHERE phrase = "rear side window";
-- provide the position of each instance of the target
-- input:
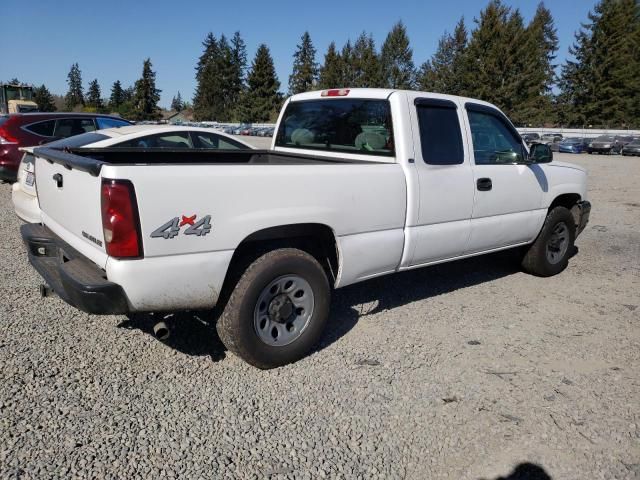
(105, 122)
(68, 127)
(44, 129)
(440, 135)
(338, 125)
(213, 141)
(172, 140)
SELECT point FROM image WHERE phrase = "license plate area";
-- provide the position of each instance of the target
(29, 179)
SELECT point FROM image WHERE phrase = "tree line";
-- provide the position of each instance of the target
(502, 60)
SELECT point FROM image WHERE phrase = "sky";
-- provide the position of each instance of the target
(109, 40)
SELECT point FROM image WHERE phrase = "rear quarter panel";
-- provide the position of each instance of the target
(364, 204)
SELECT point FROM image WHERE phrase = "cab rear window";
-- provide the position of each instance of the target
(338, 125)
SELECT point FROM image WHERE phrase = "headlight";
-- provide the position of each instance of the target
(608, 145)
(591, 144)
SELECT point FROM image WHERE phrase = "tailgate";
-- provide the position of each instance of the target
(70, 202)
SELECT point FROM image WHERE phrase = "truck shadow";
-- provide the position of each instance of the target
(194, 333)
(527, 471)
(354, 302)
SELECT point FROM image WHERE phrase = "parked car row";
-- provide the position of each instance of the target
(607, 144)
(249, 130)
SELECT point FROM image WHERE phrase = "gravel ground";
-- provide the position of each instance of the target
(462, 371)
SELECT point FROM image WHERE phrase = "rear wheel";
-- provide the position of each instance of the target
(278, 309)
(549, 254)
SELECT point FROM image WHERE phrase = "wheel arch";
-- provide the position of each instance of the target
(317, 239)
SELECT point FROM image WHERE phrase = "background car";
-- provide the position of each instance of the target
(24, 193)
(573, 145)
(29, 129)
(531, 137)
(607, 144)
(632, 148)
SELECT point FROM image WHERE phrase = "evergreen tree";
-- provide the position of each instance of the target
(443, 72)
(94, 100)
(331, 71)
(366, 63)
(177, 104)
(14, 81)
(600, 85)
(147, 96)
(396, 59)
(494, 66)
(44, 99)
(348, 64)
(74, 95)
(538, 72)
(117, 97)
(261, 100)
(305, 69)
(216, 75)
(238, 70)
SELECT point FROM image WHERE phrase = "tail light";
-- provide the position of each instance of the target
(120, 221)
(5, 137)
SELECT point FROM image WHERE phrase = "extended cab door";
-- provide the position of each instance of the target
(445, 180)
(508, 189)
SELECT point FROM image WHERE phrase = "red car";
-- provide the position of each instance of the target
(29, 129)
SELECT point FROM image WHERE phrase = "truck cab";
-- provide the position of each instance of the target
(16, 98)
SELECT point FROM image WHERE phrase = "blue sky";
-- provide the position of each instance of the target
(109, 40)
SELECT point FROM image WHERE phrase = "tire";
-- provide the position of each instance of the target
(249, 319)
(546, 257)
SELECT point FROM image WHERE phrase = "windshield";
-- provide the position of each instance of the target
(604, 138)
(572, 140)
(338, 125)
(78, 140)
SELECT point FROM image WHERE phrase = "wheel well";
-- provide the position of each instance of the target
(569, 201)
(314, 238)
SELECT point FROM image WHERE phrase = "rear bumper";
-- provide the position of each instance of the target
(73, 277)
(25, 205)
(584, 210)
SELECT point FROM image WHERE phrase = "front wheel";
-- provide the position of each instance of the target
(277, 310)
(549, 254)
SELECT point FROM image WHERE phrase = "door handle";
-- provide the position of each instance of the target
(58, 179)
(484, 184)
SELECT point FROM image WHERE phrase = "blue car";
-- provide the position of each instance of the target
(573, 145)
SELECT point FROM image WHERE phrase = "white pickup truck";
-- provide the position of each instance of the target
(358, 183)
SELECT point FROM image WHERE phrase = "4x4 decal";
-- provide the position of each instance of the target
(172, 227)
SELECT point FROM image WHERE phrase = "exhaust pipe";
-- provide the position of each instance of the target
(161, 331)
(46, 291)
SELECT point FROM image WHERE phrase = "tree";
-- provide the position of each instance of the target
(74, 96)
(44, 99)
(396, 59)
(331, 71)
(14, 81)
(305, 69)
(215, 74)
(147, 96)
(348, 64)
(600, 84)
(238, 70)
(94, 100)
(117, 97)
(365, 63)
(261, 100)
(539, 70)
(494, 66)
(443, 72)
(177, 104)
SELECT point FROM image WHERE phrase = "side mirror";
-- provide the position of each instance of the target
(540, 153)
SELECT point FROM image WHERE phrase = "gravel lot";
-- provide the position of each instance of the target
(462, 371)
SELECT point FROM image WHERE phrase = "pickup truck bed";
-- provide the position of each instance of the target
(92, 160)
